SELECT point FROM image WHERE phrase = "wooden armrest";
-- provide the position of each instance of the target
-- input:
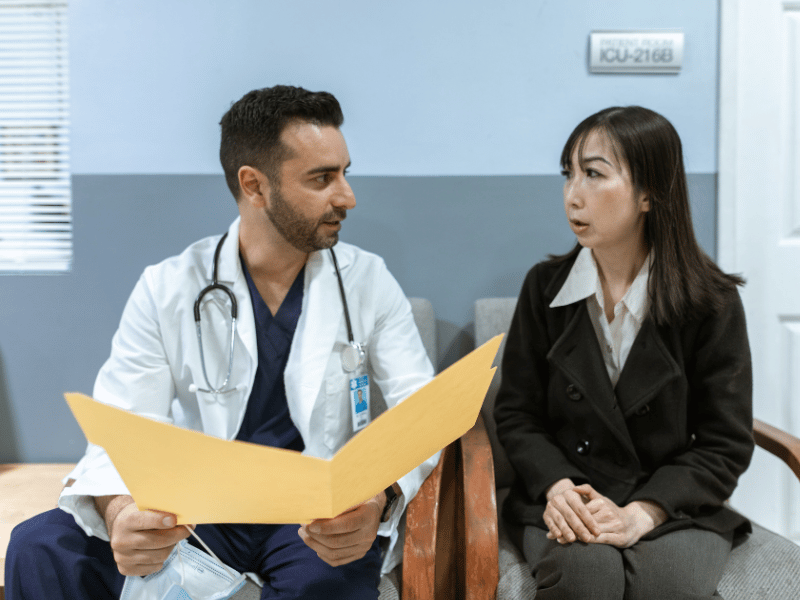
(427, 514)
(783, 445)
(480, 514)
(451, 546)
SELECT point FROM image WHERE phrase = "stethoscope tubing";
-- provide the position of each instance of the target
(350, 336)
(216, 285)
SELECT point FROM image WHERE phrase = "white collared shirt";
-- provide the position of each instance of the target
(615, 338)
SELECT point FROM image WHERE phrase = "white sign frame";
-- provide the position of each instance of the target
(651, 52)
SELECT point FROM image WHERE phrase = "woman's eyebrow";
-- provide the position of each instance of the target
(588, 159)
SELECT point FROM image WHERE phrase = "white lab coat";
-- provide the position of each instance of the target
(155, 358)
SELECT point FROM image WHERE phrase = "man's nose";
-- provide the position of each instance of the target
(343, 195)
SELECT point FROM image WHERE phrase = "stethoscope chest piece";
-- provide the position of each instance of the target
(352, 357)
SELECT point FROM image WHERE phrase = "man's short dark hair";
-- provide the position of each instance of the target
(252, 128)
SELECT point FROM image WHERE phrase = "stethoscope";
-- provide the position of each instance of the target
(352, 356)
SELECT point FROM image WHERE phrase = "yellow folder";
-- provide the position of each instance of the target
(204, 479)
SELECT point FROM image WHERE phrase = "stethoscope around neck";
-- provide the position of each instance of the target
(352, 355)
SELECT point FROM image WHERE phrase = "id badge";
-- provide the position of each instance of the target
(359, 401)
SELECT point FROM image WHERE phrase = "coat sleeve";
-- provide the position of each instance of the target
(135, 377)
(400, 366)
(521, 412)
(720, 418)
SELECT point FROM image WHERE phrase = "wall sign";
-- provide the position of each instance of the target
(635, 51)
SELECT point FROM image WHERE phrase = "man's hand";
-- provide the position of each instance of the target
(345, 538)
(619, 526)
(141, 540)
(566, 515)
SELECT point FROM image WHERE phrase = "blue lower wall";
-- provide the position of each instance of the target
(450, 239)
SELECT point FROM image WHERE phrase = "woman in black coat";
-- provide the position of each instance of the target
(625, 405)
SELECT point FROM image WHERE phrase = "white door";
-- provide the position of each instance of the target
(759, 227)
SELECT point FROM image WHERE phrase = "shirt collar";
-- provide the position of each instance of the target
(583, 281)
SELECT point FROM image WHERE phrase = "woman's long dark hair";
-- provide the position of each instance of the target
(684, 281)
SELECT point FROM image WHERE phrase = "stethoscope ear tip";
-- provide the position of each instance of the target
(192, 388)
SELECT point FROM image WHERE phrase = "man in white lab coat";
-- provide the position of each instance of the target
(312, 327)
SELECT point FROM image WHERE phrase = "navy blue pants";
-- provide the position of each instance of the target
(50, 557)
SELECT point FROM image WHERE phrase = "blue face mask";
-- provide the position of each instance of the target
(187, 574)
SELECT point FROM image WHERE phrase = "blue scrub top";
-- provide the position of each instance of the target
(267, 420)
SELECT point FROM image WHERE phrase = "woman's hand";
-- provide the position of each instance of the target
(567, 516)
(619, 526)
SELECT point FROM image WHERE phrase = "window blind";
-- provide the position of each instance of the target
(35, 190)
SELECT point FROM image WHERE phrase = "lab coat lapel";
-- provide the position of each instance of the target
(314, 339)
(577, 354)
(648, 368)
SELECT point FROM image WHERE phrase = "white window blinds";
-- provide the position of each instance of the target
(35, 192)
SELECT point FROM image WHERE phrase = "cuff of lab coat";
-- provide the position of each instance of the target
(85, 513)
(93, 476)
(409, 485)
(387, 528)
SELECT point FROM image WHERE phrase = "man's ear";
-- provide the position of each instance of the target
(253, 185)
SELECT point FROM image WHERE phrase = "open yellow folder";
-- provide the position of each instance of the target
(204, 479)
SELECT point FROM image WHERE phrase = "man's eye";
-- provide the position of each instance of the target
(324, 178)
(566, 173)
(592, 173)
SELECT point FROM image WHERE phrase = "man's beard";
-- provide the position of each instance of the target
(301, 232)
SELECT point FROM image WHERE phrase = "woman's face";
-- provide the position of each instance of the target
(603, 209)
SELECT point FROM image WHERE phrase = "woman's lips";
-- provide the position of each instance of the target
(578, 226)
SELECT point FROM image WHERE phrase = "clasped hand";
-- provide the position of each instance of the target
(581, 513)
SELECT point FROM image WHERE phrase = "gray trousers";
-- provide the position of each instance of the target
(681, 565)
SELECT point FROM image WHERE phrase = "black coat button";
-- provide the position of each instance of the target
(582, 447)
(573, 393)
(643, 410)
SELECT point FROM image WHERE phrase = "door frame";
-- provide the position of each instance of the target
(727, 197)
